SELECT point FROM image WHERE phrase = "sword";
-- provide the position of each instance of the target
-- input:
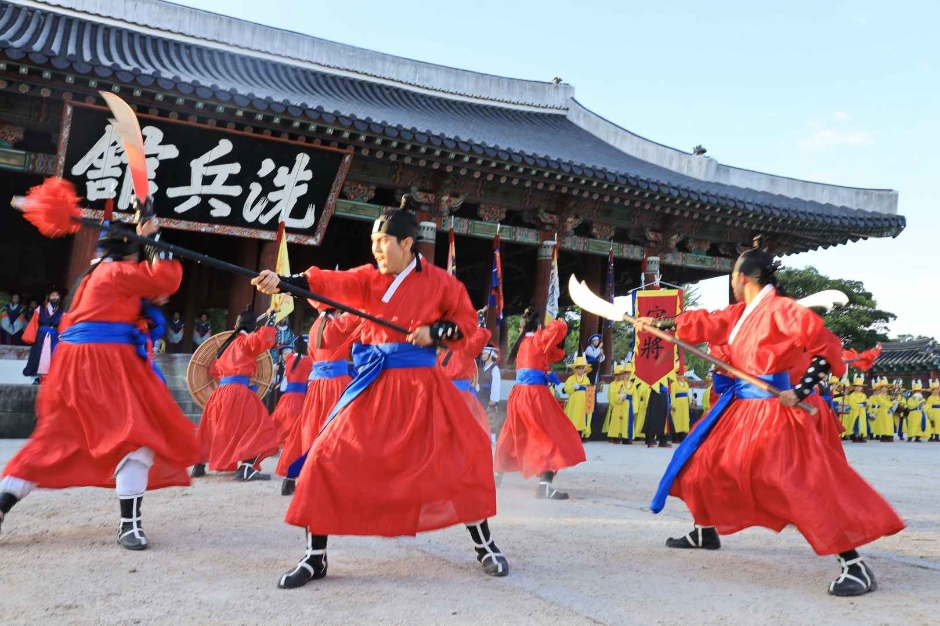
(582, 295)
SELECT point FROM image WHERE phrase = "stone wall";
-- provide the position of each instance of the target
(17, 417)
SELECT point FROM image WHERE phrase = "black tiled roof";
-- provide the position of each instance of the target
(909, 356)
(521, 137)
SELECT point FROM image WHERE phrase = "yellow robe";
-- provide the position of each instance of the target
(879, 407)
(933, 412)
(681, 402)
(856, 420)
(915, 425)
(621, 416)
(707, 400)
(577, 402)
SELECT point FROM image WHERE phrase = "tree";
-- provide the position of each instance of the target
(697, 364)
(860, 324)
(906, 338)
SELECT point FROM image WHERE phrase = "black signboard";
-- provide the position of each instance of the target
(207, 179)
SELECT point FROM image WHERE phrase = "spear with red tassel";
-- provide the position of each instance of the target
(53, 208)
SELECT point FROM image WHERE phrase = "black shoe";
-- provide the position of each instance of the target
(700, 538)
(489, 556)
(198, 471)
(546, 491)
(247, 473)
(7, 500)
(856, 579)
(312, 567)
(130, 535)
(665, 444)
(288, 487)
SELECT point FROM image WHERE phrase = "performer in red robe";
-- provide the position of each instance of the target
(297, 369)
(537, 438)
(461, 366)
(756, 460)
(331, 336)
(236, 432)
(396, 456)
(103, 417)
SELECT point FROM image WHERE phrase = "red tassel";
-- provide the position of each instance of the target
(862, 361)
(51, 206)
(108, 210)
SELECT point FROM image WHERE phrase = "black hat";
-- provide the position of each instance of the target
(399, 223)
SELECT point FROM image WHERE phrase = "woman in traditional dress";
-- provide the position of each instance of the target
(577, 388)
(297, 368)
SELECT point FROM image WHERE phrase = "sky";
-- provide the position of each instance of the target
(846, 93)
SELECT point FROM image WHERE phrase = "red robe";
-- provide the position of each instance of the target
(289, 406)
(537, 436)
(102, 401)
(399, 459)
(334, 344)
(764, 464)
(462, 365)
(235, 424)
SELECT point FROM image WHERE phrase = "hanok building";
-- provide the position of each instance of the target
(908, 361)
(245, 123)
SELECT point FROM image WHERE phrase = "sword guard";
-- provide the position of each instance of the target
(143, 211)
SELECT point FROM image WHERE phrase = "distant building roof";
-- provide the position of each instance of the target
(908, 356)
(166, 46)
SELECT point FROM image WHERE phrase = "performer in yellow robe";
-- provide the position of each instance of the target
(680, 405)
(877, 410)
(856, 420)
(933, 409)
(917, 425)
(617, 406)
(577, 387)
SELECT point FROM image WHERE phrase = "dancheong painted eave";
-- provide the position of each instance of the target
(523, 123)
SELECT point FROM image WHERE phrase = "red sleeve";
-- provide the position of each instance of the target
(149, 281)
(702, 326)
(809, 331)
(260, 340)
(349, 287)
(32, 329)
(547, 340)
(339, 330)
(457, 308)
(475, 344)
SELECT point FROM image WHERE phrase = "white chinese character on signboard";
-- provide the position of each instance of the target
(105, 164)
(201, 170)
(291, 186)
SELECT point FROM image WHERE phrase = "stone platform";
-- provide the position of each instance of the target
(17, 417)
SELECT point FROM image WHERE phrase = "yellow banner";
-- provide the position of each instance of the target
(282, 302)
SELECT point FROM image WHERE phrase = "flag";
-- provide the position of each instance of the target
(554, 289)
(283, 302)
(451, 253)
(654, 359)
(495, 302)
(610, 281)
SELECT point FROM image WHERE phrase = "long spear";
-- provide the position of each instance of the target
(58, 216)
(582, 295)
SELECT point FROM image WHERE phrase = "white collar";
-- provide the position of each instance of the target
(400, 278)
(748, 310)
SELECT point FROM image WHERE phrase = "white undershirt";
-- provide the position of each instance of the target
(399, 279)
(748, 310)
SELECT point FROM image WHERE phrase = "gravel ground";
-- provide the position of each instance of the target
(219, 547)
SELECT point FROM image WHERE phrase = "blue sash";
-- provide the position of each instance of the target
(329, 369)
(110, 333)
(464, 385)
(531, 377)
(935, 406)
(721, 383)
(742, 391)
(682, 394)
(244, 381)
(296, 388)
(369, 361)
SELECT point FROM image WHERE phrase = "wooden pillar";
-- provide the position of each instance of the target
(503, 342)
(241, 294)
(267, 261)
(84, 244)
(543, 273)
(593, 269)
(427, 239)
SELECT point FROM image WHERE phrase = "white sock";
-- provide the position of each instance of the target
(17, 487)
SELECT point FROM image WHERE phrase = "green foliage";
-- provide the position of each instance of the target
(691, 299)
(860, 324)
